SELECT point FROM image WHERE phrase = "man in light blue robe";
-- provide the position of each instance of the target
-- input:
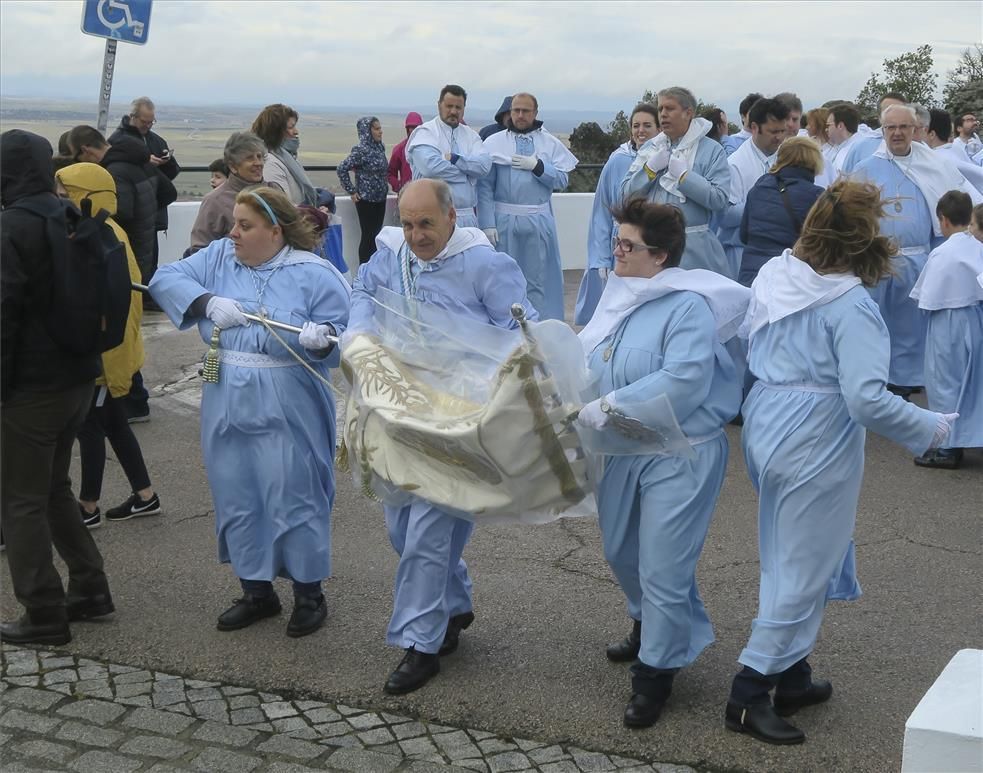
(768, 121)
(514, 201)
(685, 168)
(910, 221)
(448, 267)
(446, 149)
(268, 424)
(870, 140)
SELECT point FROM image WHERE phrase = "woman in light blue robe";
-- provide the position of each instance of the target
(819, 350)
(912, 230)
(643, 124)
(654, 510)
(268, 424)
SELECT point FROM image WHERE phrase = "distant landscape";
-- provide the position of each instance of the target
(198, 133)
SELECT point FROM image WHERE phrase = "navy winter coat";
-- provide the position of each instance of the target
(767, 229)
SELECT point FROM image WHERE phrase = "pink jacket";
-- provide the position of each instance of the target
(399, 167)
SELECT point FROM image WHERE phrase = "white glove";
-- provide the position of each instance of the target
(225, 312)
(658, 160)
(677, 166)
(316, 337)
(603, 273)
(527, 163)
(943, 426)
(492, 234)
(592, 416)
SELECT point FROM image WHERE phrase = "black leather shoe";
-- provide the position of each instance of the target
(786, 704)
(760, 721)
(643, 710)
(454, 627)
(87, 607)
(308, 615)
(627, 649)
(415, 670)
(26, 631)
(248, 610)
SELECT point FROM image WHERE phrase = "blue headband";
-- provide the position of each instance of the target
(266, 206)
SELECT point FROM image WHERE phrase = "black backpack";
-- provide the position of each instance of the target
(90, 279)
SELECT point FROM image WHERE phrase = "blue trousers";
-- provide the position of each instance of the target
(432, 583)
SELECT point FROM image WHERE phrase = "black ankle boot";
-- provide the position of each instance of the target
(414, 671)
(627, 649)
(651, 688)
(453, 635)
(87, 607)
(308, 615)
(760, 721)
(248, 610)
(787, 703)
(38, 626)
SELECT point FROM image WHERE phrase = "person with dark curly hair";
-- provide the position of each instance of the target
(659, 332)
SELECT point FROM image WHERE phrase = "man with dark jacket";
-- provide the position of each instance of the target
(501, 120)
(137, 125)
(138, 191)
(45, 396)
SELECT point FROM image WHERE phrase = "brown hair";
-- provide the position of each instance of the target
(978, 216)
(816, 123)
(271, 124)
(842, 233)
(662, 225)
(82, 136)
(799, 151)
(298, 232)
(957, 206)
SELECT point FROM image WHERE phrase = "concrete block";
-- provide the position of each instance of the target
(945, 731)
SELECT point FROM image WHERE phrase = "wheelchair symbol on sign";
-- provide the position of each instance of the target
(115, 14)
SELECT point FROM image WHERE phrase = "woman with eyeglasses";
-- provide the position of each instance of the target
(820, 351)
(661, 330)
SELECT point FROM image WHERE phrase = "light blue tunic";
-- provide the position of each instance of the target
(462, 176)
(268, 425)
(954, 371)
(600, 232)
(912, 230)
(733, 141)
(707, 190)
(862, 150)
(432, 582)
(822, 377)
(529, 238)
(654, 511)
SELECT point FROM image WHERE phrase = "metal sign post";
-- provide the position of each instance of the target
(115, 20)
(106, 89)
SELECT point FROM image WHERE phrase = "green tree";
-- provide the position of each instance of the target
(910, 74)
(591, 145)
(962, 91)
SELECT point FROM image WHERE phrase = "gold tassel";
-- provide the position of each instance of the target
(209, 373)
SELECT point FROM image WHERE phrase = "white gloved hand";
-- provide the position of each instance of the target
(528, 163)
(677, 166)
(943, 426)
(603, 273)
(658, 160)
(317, 337)
(225, 312)
(492, 234)
(592, 416)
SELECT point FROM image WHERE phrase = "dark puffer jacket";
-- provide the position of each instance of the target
(128, 161)
(32, 362)
(157, 146)
(767, 228)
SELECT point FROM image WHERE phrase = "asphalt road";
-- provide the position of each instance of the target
(533, 664)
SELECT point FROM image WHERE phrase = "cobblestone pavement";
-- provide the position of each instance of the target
(67, 713)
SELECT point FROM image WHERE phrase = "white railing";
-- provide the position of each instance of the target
(572, 212)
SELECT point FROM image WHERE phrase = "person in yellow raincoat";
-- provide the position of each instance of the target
(107, 416)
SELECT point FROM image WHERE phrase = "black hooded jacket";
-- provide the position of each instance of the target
(157, 146)
(128, 161)
(500, 124)
(31, 361)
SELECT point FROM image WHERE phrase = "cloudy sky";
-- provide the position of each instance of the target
(573, 55)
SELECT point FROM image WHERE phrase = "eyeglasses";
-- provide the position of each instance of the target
(627, 246)
(903, 127)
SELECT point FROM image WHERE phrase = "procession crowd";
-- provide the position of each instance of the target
(805, 277)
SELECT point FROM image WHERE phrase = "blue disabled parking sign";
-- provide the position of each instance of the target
(124, 20)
